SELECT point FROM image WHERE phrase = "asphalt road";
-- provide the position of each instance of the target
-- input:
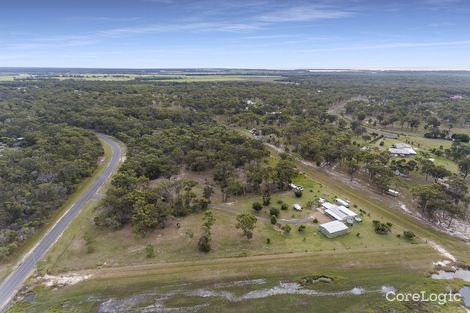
(10, 286)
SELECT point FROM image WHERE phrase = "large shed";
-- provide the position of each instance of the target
(402, 149)
(334, 229)
(340, 213)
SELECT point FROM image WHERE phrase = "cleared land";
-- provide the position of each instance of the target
(155, 78)
(403, 268)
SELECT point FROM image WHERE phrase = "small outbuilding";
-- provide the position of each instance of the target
(334, 229)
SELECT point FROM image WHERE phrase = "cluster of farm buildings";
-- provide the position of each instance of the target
(341, 217)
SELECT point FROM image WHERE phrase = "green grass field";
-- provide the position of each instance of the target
(404, 268)
(11, 77)
(425, 145)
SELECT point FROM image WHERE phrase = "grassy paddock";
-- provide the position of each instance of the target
(404, 268)
(172, 244)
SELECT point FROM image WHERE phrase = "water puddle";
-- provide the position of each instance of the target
(281, 289)
(465, 292)
(458, 274)
(156, 302)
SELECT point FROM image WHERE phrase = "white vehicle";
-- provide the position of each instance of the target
(295, 187)
(297, 207)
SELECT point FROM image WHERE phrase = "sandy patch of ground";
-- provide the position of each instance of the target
(63, 280)
(442, 251)
(322, 218)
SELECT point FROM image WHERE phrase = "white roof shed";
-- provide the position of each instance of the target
(340, 213)
(347, 211)
(342, 202)
(336, 214)
(334, 229)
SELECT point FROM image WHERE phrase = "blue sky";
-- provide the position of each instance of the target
(236, 34)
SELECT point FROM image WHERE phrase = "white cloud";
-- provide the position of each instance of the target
(302, 14)
(440, 2)
(160, 1)
(393, 45)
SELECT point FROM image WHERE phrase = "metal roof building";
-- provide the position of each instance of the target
(340, 213)
(342, 202)
(402, 149)
(334, 229)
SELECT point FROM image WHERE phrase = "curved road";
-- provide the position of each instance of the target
(10, 286)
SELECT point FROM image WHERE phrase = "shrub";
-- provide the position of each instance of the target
(315, 220)
(257, 206)
(204, 244)
(298, 193)
(409, 234)
(266, 199)
(273, 219)
(301, 228)
(274, 211)
(268, 241)
(284, 207)
(149, 251)
(286, 228)
(381, 228)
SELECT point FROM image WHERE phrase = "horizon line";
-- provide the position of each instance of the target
(309, 69)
